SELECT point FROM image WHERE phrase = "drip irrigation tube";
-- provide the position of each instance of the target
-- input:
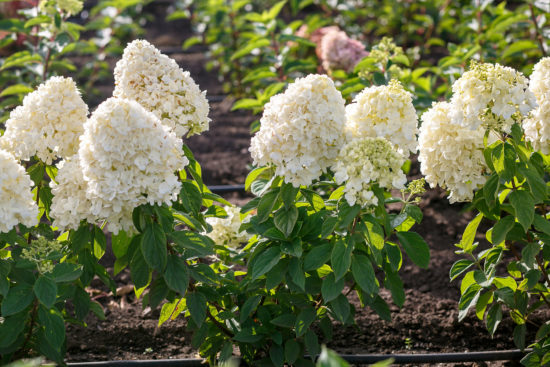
(217, 189)
(504, 355)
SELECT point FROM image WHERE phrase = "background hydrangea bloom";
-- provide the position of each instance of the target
(384, 111)
(367, 161)
(537, 125)
(226, 231)
(48, 123)
(451, 155)
(492, 96)
(301, 130)
(337, 51)
(162, 87)
(128, 158)
(16, 199)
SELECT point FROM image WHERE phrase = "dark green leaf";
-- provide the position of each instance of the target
(18, 298)
(416, 248)
(304, 320)
(196, 303)
(267, 202)
(341, 308)
(363, 273)
(249, 306)
(176, 275)
(54, 326)
(501, 229)
(139, 270)
(459, 267)
(265, 261)
(292, 351)
(65, 272)
(341, 258)
(312, 343)
(331, 288)
(285, 219)
(277, 355)
(153, 246)
(494, 316)
(524, 205)
(45, 290)
(318, 256)
(190, 196)
(198, 244)
(286, 320)
(296, 273)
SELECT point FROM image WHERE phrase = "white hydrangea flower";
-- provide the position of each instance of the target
(364, 162)
(301, 130)
(537, 127)
(70, 204)
(539, 82)
(451, 155)
(48, 123)
(162, 87)
(128, 158)
(16, 199)
(384, 111)
(491, 96)
(225, 231)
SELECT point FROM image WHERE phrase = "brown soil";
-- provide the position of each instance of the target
(426, 323)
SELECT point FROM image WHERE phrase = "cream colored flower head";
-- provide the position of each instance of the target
(301, 130)
(16, 199)
(492, 96)
(70, 204)
(128, 158)
(364, 162)
(384, 111)
(539, 82)
(162, 87)
(451, 155)
(226, 231)
(49, 122)
(537, 127)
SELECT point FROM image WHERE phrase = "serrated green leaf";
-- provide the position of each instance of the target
(415, 247)
(45, 290)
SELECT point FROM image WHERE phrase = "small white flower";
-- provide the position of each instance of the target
(48, 123)
(539, 82)
(301, 130)
(364, 162)
(225, 231)
(384, 111)
(16, 199)
(537, 127)
(157, 82)
(451, 156)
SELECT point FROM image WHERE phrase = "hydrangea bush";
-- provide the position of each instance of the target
(488, 146)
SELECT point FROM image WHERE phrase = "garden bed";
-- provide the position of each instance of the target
(428, 322)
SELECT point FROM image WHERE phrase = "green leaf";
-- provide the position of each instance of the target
(249, 306)
(468, 299)
(285, 219)
(265, 261)
(466, 243)
(519, 46)
(318, 256)
(45, 290)
(395, 285)
(292, 351)
(277, 355)
(286, 320)
(501, 229)
(341, 308)
(304, 320)
(18, 298)
(416, 248)
(153, 246)
(65, 272)
(331, 288)
(494, 316)
(490, 189)
(288, 194)
(247, 336)
(139, 270)
(190, 196)
(196, 303)
(329, 358)
(374, 235)
(296, 273)
(312, 343)
(252, 176)
(11, 328)
(519, 336)
(54, 326)
(524, 205)
(292, 248)
(247, 104)
(176, 275)
(196, 243)
(258, 43)
(363, 273)
(16, 89)
(341, 258)
(459, 267)
(266, 204)
(536, 184)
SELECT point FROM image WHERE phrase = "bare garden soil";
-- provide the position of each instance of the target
(426, 323)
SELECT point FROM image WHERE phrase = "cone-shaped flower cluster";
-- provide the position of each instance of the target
(537, 125)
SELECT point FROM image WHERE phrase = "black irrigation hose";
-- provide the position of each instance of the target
(504, 355)
(220, 189)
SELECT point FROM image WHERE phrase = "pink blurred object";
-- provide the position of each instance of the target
(337, 51)
(9, 9)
